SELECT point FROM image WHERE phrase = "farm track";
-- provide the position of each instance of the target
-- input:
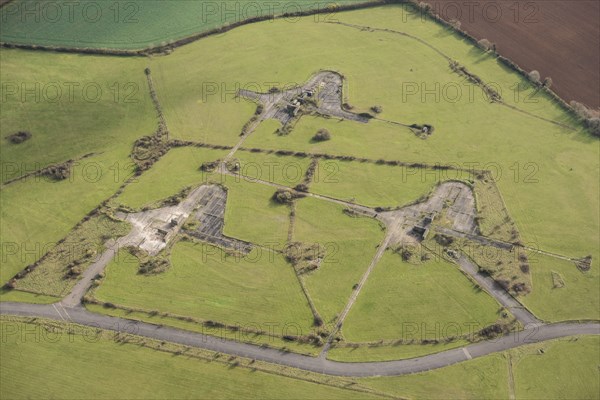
(80, 315)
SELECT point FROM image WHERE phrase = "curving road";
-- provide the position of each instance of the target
(532, 334)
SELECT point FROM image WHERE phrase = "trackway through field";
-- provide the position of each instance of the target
(79, 315)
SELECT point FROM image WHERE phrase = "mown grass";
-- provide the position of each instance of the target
(106, 109)
(561, 369)
(252, 215)
(375, 185)
(179, 168)
(113, 369)
(432, 300)
(350, 244)
(283, 170)
(482, 378)
(347, 137)
(205, 283)
(566, 369)
(579, 298)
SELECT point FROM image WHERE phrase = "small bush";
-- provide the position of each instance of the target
(209, 166)
(154, 266)
(485, 44)
(534, 76)
(593, 124)
(377, 109)
(322, 135)
(283, 196)
(302, 187)
(58, 172)
(455, 24)
(19, 137)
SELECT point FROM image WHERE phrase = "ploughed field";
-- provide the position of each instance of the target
(560, 39)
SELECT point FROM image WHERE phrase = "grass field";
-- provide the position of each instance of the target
(483, 378)
(265, 222)
(286, 171)
(100, 106)
(579, 298)
(179, 168)
(350, 244)
(375, 185)
(433, 300)
(117, 25)
(232, 333)
(567, 369)
(26, 297)
(204, 283)
(563, 158)
(64, 125)
(49, 368)
(536, 374)
(36, 213)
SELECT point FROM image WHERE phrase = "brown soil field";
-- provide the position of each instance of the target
(559, 38)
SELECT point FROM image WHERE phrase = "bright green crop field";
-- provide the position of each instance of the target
(118, 24)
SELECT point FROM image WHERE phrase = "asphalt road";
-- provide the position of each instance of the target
(532, 334)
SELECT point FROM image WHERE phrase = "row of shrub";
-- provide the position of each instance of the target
(162, 122)
(471, 77)
(325, 156)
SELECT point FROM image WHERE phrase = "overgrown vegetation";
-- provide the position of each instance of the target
(286, 196)
(58, 172)
(462, 70)
(422, 131)
(322, 135)
(19, 137)
(150, 265)
(304, 257)
(57, 271)
(590, 118)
